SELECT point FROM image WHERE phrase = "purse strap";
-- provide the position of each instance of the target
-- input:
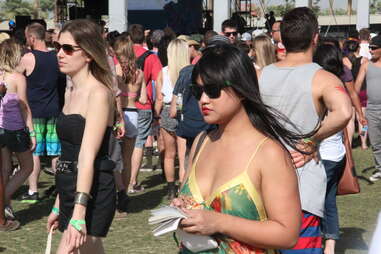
(48, 249)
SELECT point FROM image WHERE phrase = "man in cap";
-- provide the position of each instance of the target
(371, 70)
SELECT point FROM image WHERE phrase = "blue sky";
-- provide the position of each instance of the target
(323, 3)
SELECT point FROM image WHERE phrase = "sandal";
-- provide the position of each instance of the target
(135, 188)
(10, 225)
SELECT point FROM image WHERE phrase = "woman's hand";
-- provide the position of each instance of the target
(52, 221)
(33, 143)
(201, 222)
(75, 238)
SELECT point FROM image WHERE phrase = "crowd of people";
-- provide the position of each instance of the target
(255, 121)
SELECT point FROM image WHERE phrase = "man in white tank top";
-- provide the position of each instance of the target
(303, 92)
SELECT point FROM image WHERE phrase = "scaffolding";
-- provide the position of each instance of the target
(62, 9)
(249, 10)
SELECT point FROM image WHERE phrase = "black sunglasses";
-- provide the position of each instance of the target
(373, 47)
(228, 34)
(212, 91)
(67, 48)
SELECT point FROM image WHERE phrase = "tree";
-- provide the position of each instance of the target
(11, 8)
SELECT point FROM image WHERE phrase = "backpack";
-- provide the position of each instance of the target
(141, 59)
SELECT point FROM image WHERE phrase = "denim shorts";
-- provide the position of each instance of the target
(166, 122)
(17, 141)
(144, 127)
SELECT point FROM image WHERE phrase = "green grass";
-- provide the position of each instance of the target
(358, 215)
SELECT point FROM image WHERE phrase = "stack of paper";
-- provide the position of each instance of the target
(168, 218)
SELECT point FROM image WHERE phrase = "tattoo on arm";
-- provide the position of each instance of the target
(341, 89)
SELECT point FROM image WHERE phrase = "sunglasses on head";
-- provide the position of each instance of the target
(67, 48)
(212, 91)
(228, 34)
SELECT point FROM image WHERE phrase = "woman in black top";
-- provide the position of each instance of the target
(85, 204)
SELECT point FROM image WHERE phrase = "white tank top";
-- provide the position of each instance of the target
(167, 88)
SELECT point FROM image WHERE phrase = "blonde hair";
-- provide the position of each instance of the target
(10, 55)
(89, 38)
(178, 58)
(264, 51)
(124, 51)
(3, 37)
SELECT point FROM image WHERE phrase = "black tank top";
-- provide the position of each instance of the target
(356, 64)
(42, 85)
(70, 129)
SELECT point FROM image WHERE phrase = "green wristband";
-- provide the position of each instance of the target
(77, 224)
(32, 134)
(55, 210)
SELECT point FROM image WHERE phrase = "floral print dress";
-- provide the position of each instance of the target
(237, 197)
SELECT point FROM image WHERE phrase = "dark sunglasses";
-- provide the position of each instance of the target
(228, 34)
(67, 48)
(374, 47)
(212, 91)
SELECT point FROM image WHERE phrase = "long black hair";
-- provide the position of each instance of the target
(330, 58)
(225, 65)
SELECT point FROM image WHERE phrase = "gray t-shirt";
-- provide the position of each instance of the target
(289, 90)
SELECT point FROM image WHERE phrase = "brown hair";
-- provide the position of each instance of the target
(10, 55)
(88, 36)
(364, 34)
(136, 32)
(124, 51)
(37, 30)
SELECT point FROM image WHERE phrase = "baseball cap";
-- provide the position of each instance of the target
(246, 37)
(375, 42)
(217, 39)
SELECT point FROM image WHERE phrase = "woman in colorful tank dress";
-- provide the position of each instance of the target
(241, 188)
(16, 120)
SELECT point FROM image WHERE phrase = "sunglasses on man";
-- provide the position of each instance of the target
(68, 49)
(374, 47)
(228, 34)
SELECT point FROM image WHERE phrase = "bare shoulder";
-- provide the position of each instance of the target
(28, 57)
(324, 78)
(272, 151)
(100, 93)
(17, 77)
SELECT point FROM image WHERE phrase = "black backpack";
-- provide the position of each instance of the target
(141, 59)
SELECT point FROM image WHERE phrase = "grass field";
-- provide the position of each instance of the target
(358, 216)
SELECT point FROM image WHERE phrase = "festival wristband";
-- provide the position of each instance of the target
(116, 126)
(32, 134)
(55, 210)
(77, 224)
(309, 141)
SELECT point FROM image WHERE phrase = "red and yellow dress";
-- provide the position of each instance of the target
(237, 197)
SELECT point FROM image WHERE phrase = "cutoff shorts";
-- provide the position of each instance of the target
(131, 122)
(17, 141)
(144, 127)
(46, 137)
(166, 122)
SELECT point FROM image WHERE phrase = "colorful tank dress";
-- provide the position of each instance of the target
(237, 197)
